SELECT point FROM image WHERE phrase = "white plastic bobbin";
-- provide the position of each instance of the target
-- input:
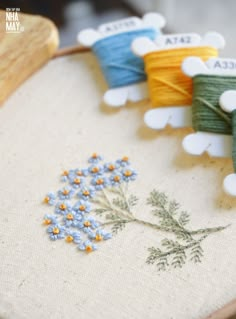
(176, 116)
(228, 104)
(118, 97)
(216, 145)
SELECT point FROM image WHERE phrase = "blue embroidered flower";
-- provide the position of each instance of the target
(66, 193)
(50, 199)
(100, 182)
(87, 246)
(129, 174)
(72, 219)
(86, 193)
(72, 236)
(111, 167)
(82, 207)
(124, 161)
(116, 179)
(76, 181)
(63, 207)
(96, 170)
(95, 158)
(56, 232)
(99, 235)
(88, 224)
(65, 176)
(50, 220)
(78, 172)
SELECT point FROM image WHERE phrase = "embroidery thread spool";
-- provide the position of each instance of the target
(228, 104)
(168, 86)
(213, 114)
(123, 70)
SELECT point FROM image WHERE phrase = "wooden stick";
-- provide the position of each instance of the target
(70, 50)
(224, 313)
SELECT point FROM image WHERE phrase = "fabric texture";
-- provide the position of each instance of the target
(55, 121)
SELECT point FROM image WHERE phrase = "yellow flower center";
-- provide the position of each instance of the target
(88, 249)
(69, 216)
(94, 155)
(95, 169)
(69, 239)
(65, 173)
(116, 178)
(82, 207)
(111, 167)
(87, 223)
(86, 193)
(98, 237)
(125, 159)
(62, 206)
(127, 173)
(47, 221)
(79, 173)
(56, 230)
(65, 192)
(46, 199)
(77, 181)
(99, 181)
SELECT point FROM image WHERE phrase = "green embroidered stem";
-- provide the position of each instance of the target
(207, 231)
(123, 194)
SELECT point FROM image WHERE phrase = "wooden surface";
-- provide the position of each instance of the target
(21, 54)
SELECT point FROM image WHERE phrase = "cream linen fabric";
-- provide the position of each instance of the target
(55, 121)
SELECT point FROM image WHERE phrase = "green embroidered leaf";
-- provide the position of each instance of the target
(173, 207)
(112, 216)
(179, 259)
(132, 201)
(100, 211)
(184, 218)
(118, 227)
(196, 253)
(120, 203)
(157, 199)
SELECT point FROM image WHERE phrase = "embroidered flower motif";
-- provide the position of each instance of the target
(65, 176)
(96, 170)
(76, 181)
(72, 219)
(56, 232)
(87, 224)
(87, 246)
(82, 207)
(78, 172)
(95, 158)
(72, 236)
(99, 235)
(50, 199)
(100, 182)
(63, 207)
(129, 174)
(66, 193)
(111, 167)
(86, 193)
(49, 220)
(124, 161)
(116, 179)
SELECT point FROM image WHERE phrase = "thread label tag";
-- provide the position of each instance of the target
(178, 40)
(221, 64)
(120, 26)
